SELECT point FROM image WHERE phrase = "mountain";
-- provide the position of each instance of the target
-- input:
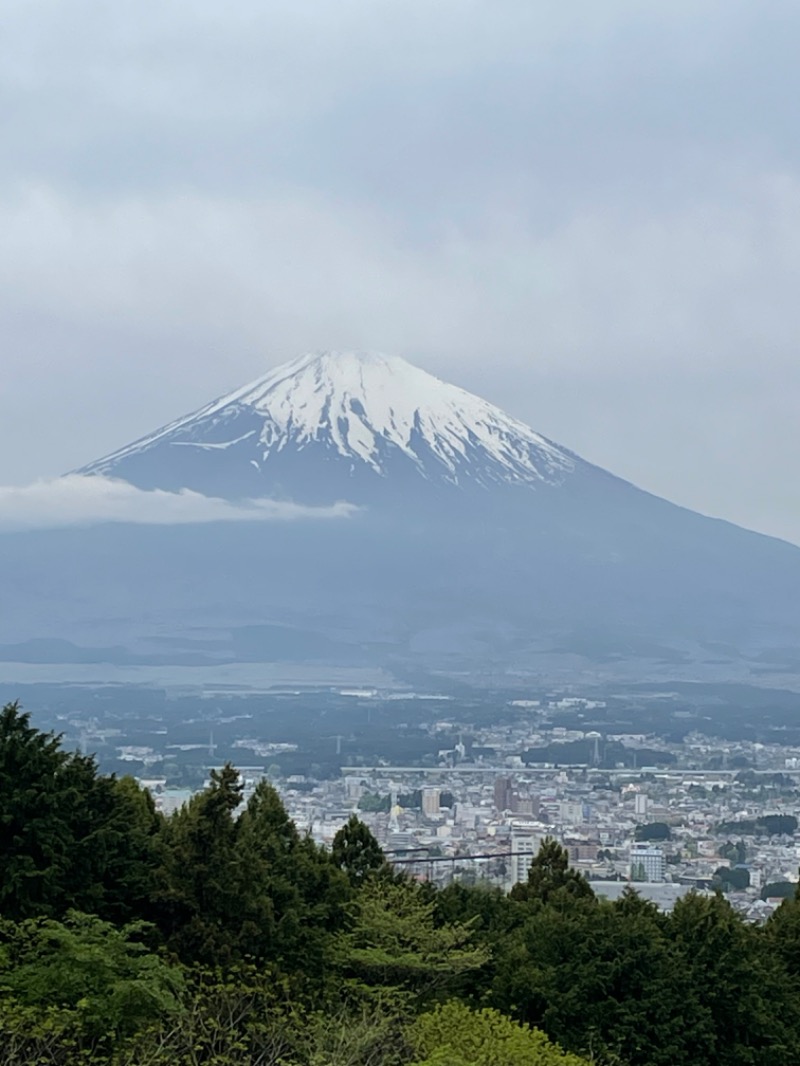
(476, 542)
(337, 425)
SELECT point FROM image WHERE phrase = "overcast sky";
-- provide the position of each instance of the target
(588, 212)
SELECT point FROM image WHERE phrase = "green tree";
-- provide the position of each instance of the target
(734, 853)
(239, 1015)
(199, 898)
(783, 933)
(778, 824)
(550, 875)
(599, 978)
(294, 893)
(745, 1011)
(732, 878)
(71, 838)
(395, 943)
(653, 831)
(356, 851)
(97, 982)
(454, 1035)
(779, 890)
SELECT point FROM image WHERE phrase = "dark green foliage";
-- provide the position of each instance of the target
(779, 890)
(71, 839)
(200, 882)
(599, 977)
(742, 995)
(732, 878)
(247, 887)
(653, 831)
(295, 894)
(734, 853)
(356, 851)
(269, 949)
(551, 877)
(374, 803)
(768, 825)
(783, 933)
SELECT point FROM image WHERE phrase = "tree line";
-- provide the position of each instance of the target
(220, 935)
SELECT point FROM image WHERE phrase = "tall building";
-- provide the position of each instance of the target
(524, 845)
(647, 863)
(430, 801)
(640, 804)
(503, 794)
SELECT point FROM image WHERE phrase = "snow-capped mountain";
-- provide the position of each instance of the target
(330, 424)
(475, 540)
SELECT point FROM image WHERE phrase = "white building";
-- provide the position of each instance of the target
(647, 863)
(430, 801)
(524, 845)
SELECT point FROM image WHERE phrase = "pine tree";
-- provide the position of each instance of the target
(394, 941)
(356, 851)
(550, 874)
(71, 838)
(199, 897)
(294, 894)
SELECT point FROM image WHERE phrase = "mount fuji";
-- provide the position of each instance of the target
(341, 423)
(474, 540)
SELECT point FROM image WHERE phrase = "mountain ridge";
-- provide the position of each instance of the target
(376, 412)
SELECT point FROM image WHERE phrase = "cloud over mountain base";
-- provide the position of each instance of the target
(76, 500)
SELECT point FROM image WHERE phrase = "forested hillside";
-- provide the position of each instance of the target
(221, 935)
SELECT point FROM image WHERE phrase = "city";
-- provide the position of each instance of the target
(666, 812)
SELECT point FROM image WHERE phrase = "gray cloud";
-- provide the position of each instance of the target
(83, 501)
(586, 212)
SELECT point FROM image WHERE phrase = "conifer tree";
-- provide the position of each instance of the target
(294, 894)
(199, 901)
(550, 874)
(394, 941)
(70, 838)
(356, 851)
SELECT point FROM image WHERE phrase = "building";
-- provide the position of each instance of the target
(430, 801)
(665, 896)
(503, 794)
(524, 845)
(640, 804)
(647, 863)
(570, 813)
(525, 805)
(583, 852)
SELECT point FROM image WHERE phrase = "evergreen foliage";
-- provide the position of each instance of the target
(356, 850)
(221, 935)
(551, 878)
(71, 838)
(395, 943)
(653, 831)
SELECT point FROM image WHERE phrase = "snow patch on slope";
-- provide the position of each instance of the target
(364, 406)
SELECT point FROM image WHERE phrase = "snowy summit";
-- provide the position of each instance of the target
(349, 414)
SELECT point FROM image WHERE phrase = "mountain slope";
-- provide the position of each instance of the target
(335, 423)
(476, 539)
